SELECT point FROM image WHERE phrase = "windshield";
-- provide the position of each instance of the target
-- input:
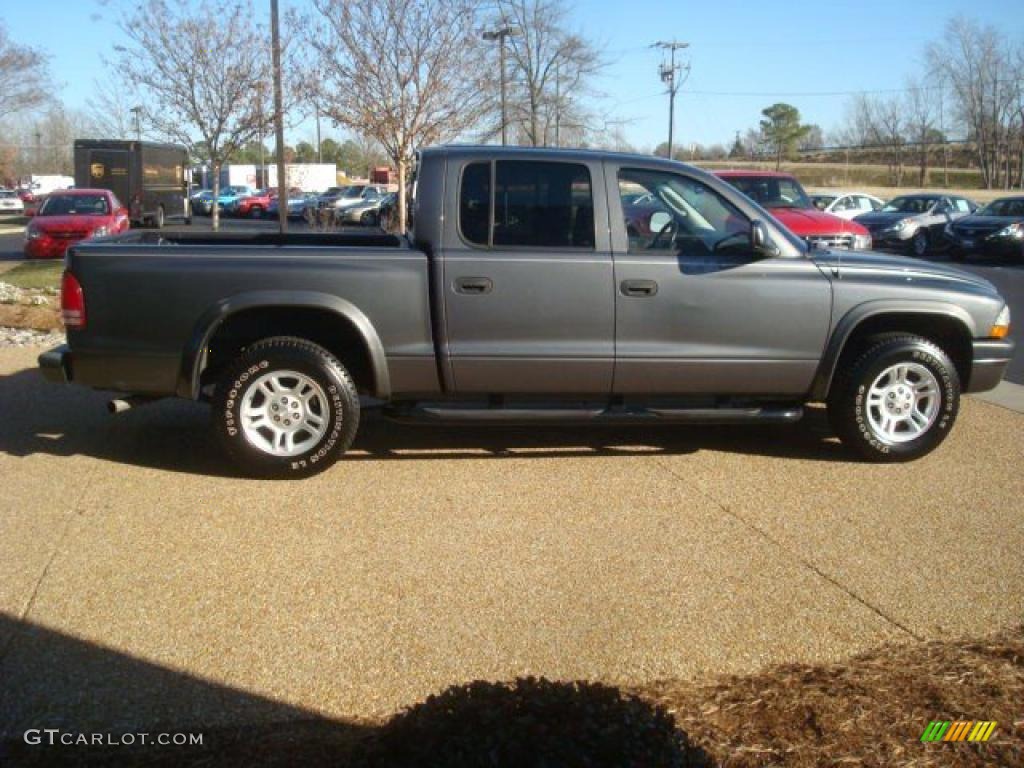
(772, 191)
(353, 191)
(1007, 206)
(64, 205)
(909, 205)
(7, 193)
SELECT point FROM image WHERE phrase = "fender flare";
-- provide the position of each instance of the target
(214, 317)
(849, 323)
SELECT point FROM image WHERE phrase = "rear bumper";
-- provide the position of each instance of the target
(55, 365)
(990, 358)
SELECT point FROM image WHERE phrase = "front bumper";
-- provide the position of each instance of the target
(987, 245)
(47, 248)
(989, 360)
(886, 239)
(55, 364)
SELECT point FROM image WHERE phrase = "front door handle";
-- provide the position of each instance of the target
(639, 288)
(474, 286)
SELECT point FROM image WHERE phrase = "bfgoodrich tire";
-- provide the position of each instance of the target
(897, 401)
(285, 408)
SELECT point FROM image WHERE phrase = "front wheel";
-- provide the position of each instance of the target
(897, 401)
(285, 408)
(919, 243)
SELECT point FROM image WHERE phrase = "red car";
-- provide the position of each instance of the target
(253, 206)
(71, 215)
(787, 201)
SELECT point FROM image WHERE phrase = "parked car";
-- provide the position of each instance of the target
(298, 202)
(202, 202)
(342, 197)
(995, 230)
(847, 205)
(27, 195)
(787, 201)
(517, 298)
(365, 212)
(914, 223)
(70, 216)
(10, 202)
(254, 205)
(232, 194)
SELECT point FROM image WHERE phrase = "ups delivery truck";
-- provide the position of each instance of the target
(149, 178)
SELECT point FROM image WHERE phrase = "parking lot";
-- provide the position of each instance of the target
(145, 585)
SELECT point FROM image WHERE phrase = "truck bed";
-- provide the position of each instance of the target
(154, 301)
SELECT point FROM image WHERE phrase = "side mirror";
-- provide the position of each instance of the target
(659, 220)
(759, 239)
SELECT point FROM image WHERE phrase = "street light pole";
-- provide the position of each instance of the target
(137, 111)
(670, 75)
(500, 35)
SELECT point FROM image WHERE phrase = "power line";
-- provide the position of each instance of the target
(669, 74)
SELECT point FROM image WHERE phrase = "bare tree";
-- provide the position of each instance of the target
(407, 73)
(977, 65)
(110, 110)
(551, 72)
(25, 75)
(201, 67)
(922, 114)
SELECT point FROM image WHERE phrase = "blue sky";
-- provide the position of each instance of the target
(779, 51)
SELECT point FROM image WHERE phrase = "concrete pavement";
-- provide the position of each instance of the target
(143, 584)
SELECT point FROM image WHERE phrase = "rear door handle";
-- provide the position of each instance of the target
(473, 285)
(639, 288)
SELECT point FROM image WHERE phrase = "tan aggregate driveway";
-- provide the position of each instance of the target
(142, 584)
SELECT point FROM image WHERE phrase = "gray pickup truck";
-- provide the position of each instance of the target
(535, 286)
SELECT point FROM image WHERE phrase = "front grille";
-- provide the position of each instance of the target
(68, 235)
(830, 241)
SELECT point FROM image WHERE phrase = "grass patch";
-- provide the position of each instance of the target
(35, 274)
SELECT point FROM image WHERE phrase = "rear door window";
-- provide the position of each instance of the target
(543, 204)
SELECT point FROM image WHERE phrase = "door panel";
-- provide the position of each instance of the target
(524, 315)
(721, 319)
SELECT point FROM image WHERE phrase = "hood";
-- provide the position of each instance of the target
(71, 223)
(851, 263)
(811, 221)
(985, 224)
(880, 219)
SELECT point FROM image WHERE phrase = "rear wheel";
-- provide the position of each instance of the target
(897, 401)
(285, 408)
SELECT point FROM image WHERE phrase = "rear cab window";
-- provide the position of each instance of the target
(533, 204)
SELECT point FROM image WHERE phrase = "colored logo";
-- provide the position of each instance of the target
(97, 170)
(958, 730)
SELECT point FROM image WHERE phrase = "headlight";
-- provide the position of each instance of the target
(900, 225)
(1001, 327)
(862, 242)
(101, 232)
(32, 233)
(1014, 230)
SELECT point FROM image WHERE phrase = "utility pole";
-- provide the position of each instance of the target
(319, 156)
(500, 35)
(669, 74)
(282, 182)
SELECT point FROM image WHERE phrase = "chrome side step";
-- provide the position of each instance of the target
(439, 413)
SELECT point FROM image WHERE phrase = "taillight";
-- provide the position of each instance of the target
(72, 302)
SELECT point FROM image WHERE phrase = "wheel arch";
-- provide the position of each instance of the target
(946, 324)
(334, 323)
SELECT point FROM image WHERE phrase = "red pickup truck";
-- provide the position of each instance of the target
(787, 201)
(253, 205)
